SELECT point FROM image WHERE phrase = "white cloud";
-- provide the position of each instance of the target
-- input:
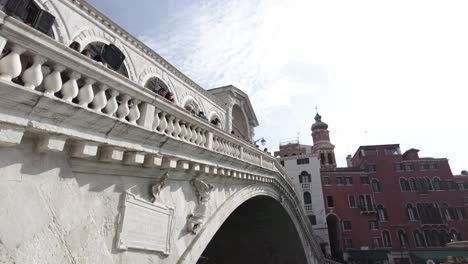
(397, 70)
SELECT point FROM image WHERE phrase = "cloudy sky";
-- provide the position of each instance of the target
(380, 72)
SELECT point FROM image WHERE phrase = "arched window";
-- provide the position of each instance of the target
(402, 238)
(444, 238)
(436, 183)
(192, 106)
(419, 239)
(376, 185)
(445, 212)
(412, 184)
(382, 213)
(436, 241)
(95, 50)
(431, 238)
(411, 212)
(387, 241)
(307, 198)
(155, 84)
(455, 236)
(404, 185)
(304, 177)
(429, 184)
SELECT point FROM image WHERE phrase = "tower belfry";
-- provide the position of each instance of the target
(322, 147)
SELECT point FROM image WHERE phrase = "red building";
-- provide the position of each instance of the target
(389, 207)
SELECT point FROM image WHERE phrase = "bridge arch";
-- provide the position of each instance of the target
(224, 212)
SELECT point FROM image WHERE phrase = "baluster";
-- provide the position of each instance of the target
(183, 131)
(53, 81)
(215, 143)
(188, 136)
(10, 65)
(170, 126)
(203, 134)
(134, 112)
(194, 135)
(199, 137)
(123, 109)
(162, 126)
(112, 105)
(156, 119)
(70, 88)
(100, 100)
(177, 128)
(86, 94)
(32, 77)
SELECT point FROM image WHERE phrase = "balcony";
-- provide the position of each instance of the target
(308, 208)
(305, 186)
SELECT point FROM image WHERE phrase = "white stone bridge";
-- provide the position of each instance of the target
(95, 168)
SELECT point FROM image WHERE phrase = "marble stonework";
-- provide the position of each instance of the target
(96, 169)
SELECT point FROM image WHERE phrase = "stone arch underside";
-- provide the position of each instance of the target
(215, 222)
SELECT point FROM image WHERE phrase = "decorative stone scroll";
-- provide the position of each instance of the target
(197, 218)
(145, 225)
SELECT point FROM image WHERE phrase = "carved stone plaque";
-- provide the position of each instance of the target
(145, 225)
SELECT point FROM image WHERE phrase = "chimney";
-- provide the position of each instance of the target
(348, 161)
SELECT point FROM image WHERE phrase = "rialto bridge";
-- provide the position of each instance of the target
(97, 168)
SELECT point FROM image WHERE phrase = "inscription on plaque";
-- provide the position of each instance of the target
(145, 225)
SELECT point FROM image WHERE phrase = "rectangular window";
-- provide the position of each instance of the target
(326, 181)
(312, 219)
(370, 152)
(409, 167)
(302, 161)
(451, 185)
(330, 202)
(397, 167)
(373, 224)
(339, 181)
(348, 243)
(347, 225)
(371, 168)
(351, 201)
(348, 180)
(461, 186)
(392, 151)
(322, 158)
(377, 242)
(461, 213)
(465, 200)
(365, 180)
(370, 205)
(330, 159)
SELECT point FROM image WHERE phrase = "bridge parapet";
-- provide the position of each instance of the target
(69, 102)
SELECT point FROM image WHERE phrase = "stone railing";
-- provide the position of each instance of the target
(41, 64)
(53, 71)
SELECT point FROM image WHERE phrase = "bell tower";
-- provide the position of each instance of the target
(322, 147)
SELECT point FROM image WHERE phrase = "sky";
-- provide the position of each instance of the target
(379, 72)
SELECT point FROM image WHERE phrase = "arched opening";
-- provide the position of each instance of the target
(255, 233)
(239, 123)
(94, 51)
(334, 236)
(304, 177)
(31, 14)
(154, 84)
